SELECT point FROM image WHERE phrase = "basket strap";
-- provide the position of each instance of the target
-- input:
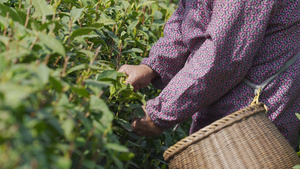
(258, 88)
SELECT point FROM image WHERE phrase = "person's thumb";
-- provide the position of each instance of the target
(123, 69)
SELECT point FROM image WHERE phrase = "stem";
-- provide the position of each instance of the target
(119, 56)
(72, 145)
(5, 29)
(56, 61)
(112, 44)
(33, 43)
(91, 63)
(47, 59)
(43, 19)
(143, 11)
(100, 94)
(27, 16)
(20, 4)
(52, 25)
(97, 8)
(80, 24)
(70, 26)
(65, 66)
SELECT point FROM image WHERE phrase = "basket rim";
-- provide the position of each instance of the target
(212, 128)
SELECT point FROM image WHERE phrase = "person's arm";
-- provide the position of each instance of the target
(233, 36)
(169, 53)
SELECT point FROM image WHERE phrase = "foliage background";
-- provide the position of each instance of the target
(62, 102)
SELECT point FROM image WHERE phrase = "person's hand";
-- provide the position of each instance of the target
(145, 126)
(139, 76)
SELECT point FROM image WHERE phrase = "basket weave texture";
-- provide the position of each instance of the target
(243, 139)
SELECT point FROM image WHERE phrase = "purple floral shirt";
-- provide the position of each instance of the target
(209, 46)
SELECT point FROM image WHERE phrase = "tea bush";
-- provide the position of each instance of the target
(62, 102)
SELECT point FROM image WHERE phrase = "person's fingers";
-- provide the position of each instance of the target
(139, 127)
(145, 111)
(134, 81)
(123, 69)
(134, 125)
(127, 69)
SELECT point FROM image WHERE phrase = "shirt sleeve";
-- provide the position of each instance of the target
(233, 36)
(169, 53)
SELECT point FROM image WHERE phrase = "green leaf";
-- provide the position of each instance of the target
(108, 75)
(145, 3)
(4, 40)
(96, 86)
(126, 156)
(133, 50)
(100, 84)
(80, 141)
(57, 85)
(139, 112)
(76, 13)
(55, 124)
(125, 4)
(298, 115)
(42, 8)
(43, 73)
(89, 164)
(81, 31)
(64, 162)
(113, 36)
(116, 147)
(296, 167)
(104, 20)
(68, 126)
(52, 43)
(4, 21)
(14, 93)
(97, 104)
(88, 53)
(77, 67)
(118, 162)
(133, 25)
(2, 65)
(80, 91)
(157, 15)
(12, 13)
(84, 121)
(16, 53)
(125, 124)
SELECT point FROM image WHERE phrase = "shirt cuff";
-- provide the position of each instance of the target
(157, 81)
(153, 108)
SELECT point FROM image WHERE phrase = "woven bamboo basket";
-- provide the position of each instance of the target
(244, 139)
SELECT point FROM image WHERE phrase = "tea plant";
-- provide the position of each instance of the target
(62, 102)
